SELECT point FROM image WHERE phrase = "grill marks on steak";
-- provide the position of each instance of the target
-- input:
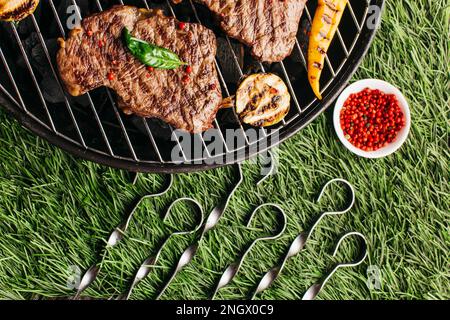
(268, 27)
(96, 50)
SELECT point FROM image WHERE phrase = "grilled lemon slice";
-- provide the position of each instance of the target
(16, 10)
(262, 100)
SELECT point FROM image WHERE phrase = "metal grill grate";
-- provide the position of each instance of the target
(93, 127)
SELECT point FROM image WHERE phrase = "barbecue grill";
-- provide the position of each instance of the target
(93, 128)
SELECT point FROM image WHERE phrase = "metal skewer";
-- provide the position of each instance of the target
(299, 243)
(217, 213)
(213, 220)
(271, 169)
(147, 266)
(315, 289)
(118, 234)
(234, 268)
(189, 253)
(115, 237)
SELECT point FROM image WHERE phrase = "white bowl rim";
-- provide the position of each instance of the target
(385, 87)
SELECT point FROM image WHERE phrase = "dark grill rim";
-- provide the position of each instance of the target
(317, 108)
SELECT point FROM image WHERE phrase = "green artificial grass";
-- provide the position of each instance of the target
(56, 210)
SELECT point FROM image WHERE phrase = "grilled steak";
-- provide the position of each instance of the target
(269, 27)
(95, 55)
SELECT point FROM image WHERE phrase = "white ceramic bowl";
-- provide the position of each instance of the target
(386, 88)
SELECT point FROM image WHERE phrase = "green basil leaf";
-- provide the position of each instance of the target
(151, 55)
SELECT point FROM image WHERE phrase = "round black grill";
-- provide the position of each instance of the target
(92, 126)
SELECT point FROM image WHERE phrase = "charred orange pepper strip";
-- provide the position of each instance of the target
(326, 21)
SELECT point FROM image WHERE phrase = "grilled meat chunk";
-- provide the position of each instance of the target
(268, 27)
(94, 55)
